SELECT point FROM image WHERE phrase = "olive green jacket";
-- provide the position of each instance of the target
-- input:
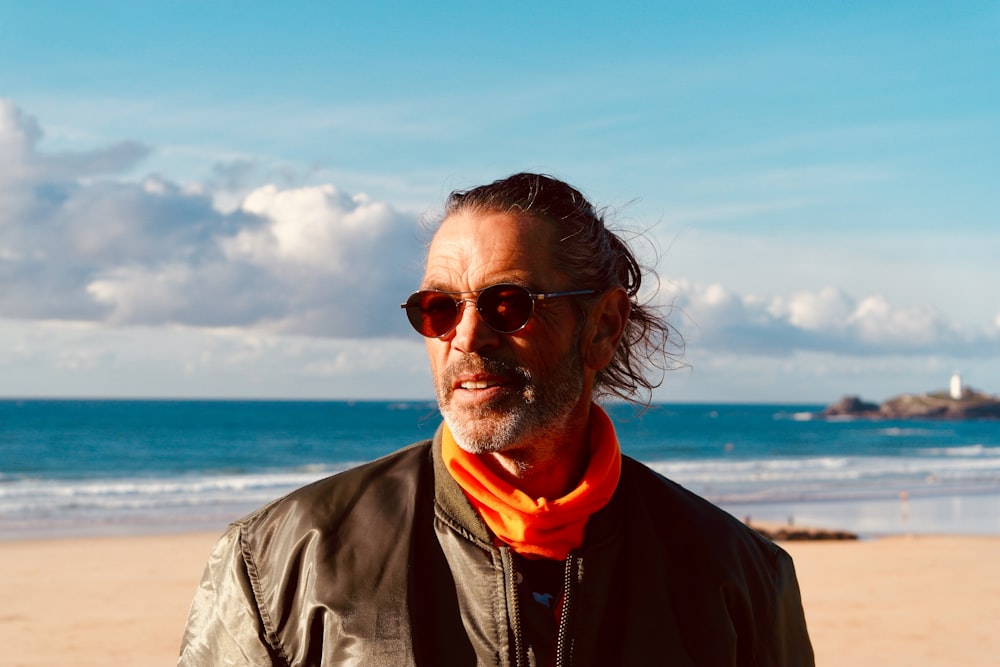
(387, 564)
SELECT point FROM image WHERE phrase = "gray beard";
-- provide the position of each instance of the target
(537, 410)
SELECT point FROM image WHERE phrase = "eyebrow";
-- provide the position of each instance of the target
(442, 286)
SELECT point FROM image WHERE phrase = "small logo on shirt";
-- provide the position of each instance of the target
(544, 599)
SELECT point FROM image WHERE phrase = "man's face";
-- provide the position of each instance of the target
(503, 391)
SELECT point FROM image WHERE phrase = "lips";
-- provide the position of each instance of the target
(478, 378)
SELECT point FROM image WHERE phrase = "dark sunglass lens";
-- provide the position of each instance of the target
(506, 308)
(432, 314)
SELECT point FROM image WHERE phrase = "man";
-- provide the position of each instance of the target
(519, 535)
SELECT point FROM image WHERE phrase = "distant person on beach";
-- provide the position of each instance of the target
(519, 535)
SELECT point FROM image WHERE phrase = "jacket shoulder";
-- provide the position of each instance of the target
(681, 513)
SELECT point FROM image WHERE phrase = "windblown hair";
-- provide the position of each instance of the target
(593, 257)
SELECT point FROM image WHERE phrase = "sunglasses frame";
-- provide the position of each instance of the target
(414, 302)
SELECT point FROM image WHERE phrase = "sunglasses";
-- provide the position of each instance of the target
(505, 308)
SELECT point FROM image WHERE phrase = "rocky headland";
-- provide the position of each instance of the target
(937, 405)
(777, 532)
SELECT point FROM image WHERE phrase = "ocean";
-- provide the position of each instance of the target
(98, 467)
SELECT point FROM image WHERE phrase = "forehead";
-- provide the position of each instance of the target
(472, 250)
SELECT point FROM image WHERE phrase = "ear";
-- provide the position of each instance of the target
(605, 327)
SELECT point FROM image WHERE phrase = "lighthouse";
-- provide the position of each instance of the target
(956, 391)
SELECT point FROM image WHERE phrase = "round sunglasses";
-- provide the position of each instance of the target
(505, 308)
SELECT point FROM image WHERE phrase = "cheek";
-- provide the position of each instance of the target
(437, 353)
(543, 351)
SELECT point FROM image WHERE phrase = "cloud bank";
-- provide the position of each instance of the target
(76, 244)
(80, 243)
(828, 320)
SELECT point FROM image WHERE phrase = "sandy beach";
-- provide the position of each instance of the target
(911, 601)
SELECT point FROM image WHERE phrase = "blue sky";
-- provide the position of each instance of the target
(229, 199)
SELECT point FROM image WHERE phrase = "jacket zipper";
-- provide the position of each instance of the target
(564, 645)
(513, 602)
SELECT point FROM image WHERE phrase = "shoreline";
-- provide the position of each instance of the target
(971, 512)
(974, 512)
(896, 600)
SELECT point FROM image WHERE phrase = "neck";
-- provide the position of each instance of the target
(550, 466)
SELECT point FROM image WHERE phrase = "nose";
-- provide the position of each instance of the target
(471, 333)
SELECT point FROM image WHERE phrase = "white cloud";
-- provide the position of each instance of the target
(317, 227)
(813, 311)
(309, 260)
(827, 320)
(876, 321)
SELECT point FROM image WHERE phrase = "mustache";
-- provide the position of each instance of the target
(476, 363)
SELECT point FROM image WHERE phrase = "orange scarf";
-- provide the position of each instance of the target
(539, 527)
